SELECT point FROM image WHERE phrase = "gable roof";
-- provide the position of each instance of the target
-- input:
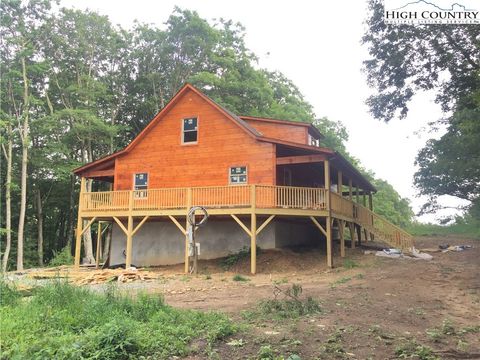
(285, 122)
(243, 125)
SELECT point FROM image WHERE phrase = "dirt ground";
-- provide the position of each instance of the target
(370, 309)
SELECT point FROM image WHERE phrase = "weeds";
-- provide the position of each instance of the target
(76, 323)
(241, 278)
(287, 304)
(234, 258)
(349, 264)
(413, 350)
(9, 294)
(333, 347)
(62, 257)
(340, 281)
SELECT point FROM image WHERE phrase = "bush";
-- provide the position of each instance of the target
(62, 257)
(290, 306)
(62, 321)
(9, 295)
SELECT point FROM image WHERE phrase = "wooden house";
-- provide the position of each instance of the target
(264, 182)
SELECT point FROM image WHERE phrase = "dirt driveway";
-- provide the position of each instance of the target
(371, 308)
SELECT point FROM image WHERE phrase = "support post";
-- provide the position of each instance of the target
(357, 195)
(99, 246)
(352, 234)
(187, 228)
(328, 220)
(359, 234)
(341, 229)
(128, 260)
(340, 183)
(78, 237)
(253, 232)
(364, 199)
(350, 193)
(370, 206)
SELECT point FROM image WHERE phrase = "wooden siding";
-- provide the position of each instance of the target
(288, 132)
(221, 144)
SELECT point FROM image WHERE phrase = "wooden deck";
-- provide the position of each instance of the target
(252, 200)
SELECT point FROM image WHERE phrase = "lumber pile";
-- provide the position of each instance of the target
(87, 276)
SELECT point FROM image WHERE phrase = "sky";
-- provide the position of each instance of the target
(317, 45)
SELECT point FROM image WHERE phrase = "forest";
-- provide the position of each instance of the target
(75, 87)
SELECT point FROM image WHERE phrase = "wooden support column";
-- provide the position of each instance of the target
(99, 244)
(328, 220)
(253, 232)
(370, 206)
(352, 234)
(341, 229)
(187, 228)
(350, 192)
(128, 260)
(340, 183)
(359, 234)
(78, 237)
(357, 195)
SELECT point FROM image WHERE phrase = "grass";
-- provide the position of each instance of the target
(349, 264)
(239, 277)
(287, 304)
(234, 258)
(62, 321)
(340, 281)
(419, 229)
(414, 350)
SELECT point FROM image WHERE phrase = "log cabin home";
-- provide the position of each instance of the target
(265, 182)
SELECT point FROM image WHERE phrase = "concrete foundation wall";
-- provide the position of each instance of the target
(162, 243)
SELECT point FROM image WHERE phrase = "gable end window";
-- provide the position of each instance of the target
(140, 185)
(238, 175)
(190, 130)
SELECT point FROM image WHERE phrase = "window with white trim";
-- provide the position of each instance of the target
(238, 175)
(140, 185)
(190, 130)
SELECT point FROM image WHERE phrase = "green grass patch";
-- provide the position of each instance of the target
(239, 277)
(232, 259)
(62, 321)
(340, 281)
(420, 229)
(287, 304)
(349, 264)
(414, 350)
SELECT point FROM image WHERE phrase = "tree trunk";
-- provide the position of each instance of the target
(106, 244)
(25, 137)
(69, 232)
(39, 208)
(8, 198)
(87, 237)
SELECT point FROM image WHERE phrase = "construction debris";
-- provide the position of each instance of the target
(85, 276)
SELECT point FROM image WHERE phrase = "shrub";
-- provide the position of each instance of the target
(9, 295)
(62, 257)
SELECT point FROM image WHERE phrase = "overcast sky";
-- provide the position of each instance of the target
(317, 45)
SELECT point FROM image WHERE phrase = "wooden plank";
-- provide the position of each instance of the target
(87, 226)
(180, 227)
(242, 225)
(301, 159)
(119, 223)
(140, 225)
(265, 223)
(324, 232)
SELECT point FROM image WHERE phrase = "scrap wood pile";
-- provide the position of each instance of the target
(92, 276)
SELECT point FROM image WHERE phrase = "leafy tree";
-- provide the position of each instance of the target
(406, 60)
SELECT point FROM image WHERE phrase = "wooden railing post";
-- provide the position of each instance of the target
(340, 183)
(78, 236)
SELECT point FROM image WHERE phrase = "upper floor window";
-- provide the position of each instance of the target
(238, 175)
(190, 130)
(140, 185)
(313, 141)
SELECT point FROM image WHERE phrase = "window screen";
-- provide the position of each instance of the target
(238, 175)
(190, 130)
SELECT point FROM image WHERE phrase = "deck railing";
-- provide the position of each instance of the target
(245, 196)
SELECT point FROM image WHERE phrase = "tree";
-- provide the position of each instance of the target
(406, 60)
(22, 29)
